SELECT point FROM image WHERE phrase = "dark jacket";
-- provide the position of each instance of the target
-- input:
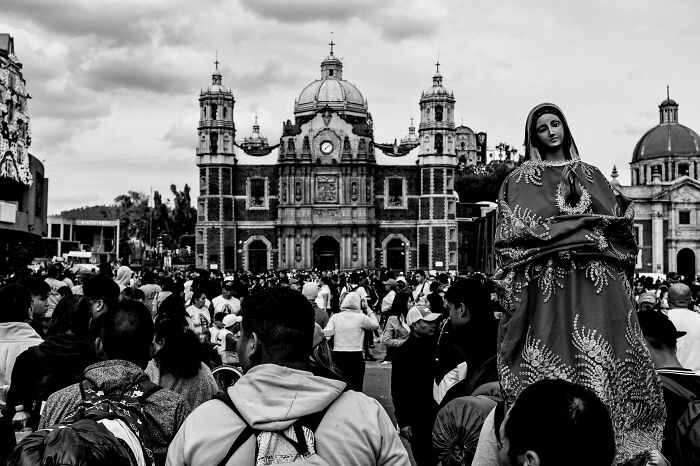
(412, 375)
(41, 370)
(166, 409)
(676, 405)
(473, 343)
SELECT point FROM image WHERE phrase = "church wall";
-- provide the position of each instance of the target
(666, 246)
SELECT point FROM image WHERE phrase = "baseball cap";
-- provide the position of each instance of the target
(420, 313)
(231, 319)
(658, 326)
(647, 297)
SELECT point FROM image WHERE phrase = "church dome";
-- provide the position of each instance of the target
(668, 138)
(331, 91)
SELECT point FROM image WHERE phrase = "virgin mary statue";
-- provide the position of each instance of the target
(566, 251)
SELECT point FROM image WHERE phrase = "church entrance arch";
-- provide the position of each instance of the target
(396, 255)
(257, 256)
(686, 262)
(326, 253)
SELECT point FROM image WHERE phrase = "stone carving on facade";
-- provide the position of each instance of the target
(327, 188)
(354, 252)
(353, 191)
(15, 133)
(362, 147)
(306, 147)
(346, 144)
(290, 145)
(297, 191)
(326, 212)
(368, 191)
(327, 115)
(283, 190)
(297, 252)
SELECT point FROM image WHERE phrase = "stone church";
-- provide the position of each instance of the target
(665, 187)
(326, 195)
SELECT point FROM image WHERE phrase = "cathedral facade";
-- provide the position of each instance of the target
(665, 187)
(326, 195)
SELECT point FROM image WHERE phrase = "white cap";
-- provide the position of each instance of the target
(231, 319)
(420, 313)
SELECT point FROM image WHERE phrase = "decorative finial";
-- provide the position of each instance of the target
(437, 65)
(668, 92)
(614, 172)
(216, 62)
(331, 43)
(411, 120)
(256, 120)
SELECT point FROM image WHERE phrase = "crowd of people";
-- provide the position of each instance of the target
(66, 334)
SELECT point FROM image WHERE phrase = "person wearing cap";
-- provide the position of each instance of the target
(388, 299)
(680, 384)
(347, 328)
(226, 302)
(685, 320)
(412, 378)
(226, 339)
(647, 301)
(310, 292)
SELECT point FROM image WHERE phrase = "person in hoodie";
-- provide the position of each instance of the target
(348, 331)
(126, 342)
(57, 362)
(16, 335)
(278, 389)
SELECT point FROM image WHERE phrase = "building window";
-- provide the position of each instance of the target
(638, 236)
(684, 217)
(438, 143)
(395, 194)
(257, 193)
(55, 230)
(683, 169)
(438, 113)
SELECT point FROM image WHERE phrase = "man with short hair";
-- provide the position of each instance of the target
(226, 302)
(16, 335)
(277, 391)
(126, 342)
(422, 287)
(685, 320)
(680, 384)
(39, 290)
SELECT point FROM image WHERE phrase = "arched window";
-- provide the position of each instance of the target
(438, 143)
(214, 109)
(213, 142)
(438, 113)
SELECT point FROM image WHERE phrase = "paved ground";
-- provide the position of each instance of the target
(378, 385)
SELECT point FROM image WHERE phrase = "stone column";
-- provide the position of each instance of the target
(657, 239)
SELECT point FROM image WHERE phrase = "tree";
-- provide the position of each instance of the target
(482, 184)
(134, 217)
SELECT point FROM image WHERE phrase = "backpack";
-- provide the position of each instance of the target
(296, 445)
(102, 430)
(686, 435)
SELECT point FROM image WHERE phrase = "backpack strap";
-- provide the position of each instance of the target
(677, 388)
(243, 437)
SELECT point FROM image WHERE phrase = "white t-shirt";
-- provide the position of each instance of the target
(200, 318)
(323, 300)
(688, 346)
(228, 306)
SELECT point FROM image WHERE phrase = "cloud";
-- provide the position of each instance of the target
(181, 136)
(258, 81)
(309, 11)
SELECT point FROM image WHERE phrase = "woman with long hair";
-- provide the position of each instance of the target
(396, 330)
(566, 252)
(177, 363)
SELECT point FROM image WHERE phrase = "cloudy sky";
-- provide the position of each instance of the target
(115, 83)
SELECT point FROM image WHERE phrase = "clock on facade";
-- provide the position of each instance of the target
(326, 147)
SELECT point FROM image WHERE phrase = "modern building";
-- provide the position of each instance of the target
(23, 186)
(99, 237)
(666, 190)
(327, 195)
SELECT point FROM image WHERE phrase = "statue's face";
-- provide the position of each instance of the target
(549, 130)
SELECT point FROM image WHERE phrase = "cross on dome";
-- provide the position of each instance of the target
(216, 62)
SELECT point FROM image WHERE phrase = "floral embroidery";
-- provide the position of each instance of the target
(520, 223)
(582, 206)
(552, 279)
(588, 171)
(628, 386)
(598, 236)
(532, 172)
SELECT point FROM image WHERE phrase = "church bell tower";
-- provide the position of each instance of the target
(437, 223)
(215, 231)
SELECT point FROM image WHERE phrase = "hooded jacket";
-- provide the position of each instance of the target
(354, 431)
(15, 337)
(165, 409)
(54, 364)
